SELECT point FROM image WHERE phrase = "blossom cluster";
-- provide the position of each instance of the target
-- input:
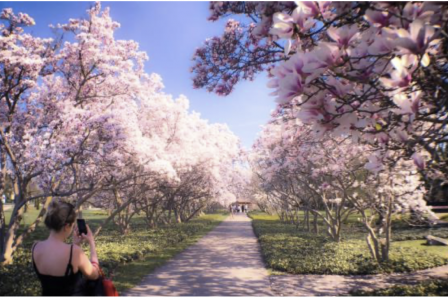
(373, 71)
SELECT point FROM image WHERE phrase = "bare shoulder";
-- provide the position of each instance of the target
(38, 246)
(34, 247)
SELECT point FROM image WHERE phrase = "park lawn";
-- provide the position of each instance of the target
(32, 214)
(114, 250)
(291, 249)
(421, 244)
(443, 216)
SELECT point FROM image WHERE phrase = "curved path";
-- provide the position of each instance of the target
(225, 262)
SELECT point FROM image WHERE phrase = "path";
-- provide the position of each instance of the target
(334, 285)
(225, 262)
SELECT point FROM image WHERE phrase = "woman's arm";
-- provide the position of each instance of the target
(89, 270)
(88, 267)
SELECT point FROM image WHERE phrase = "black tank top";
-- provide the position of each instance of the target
(70, 284)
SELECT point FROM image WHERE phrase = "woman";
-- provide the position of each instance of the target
(60, 267)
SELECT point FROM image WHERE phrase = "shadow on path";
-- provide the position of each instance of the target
(226, 262)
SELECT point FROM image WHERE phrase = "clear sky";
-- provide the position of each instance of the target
(170, 32)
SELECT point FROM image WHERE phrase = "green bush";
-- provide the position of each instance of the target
(112, 247)
(288, 249)
(429, 288)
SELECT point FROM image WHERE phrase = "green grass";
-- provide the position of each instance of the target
(286, 248)
(142, 249)
(92, 216)
(443, 216)
(28, 217)
(421, 245)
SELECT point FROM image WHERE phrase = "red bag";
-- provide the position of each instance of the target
(108, 285)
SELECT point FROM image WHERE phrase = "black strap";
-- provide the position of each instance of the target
(32, 258)
(69, 266)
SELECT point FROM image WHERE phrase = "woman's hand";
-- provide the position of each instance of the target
(77, 239)
(89, 236)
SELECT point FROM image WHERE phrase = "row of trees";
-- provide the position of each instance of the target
(361, 89)
(325, 179)
(82, 121)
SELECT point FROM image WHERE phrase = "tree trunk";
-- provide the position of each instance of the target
(111, 217)
(2, 209)
(194, 213)
(14, 224)
(306, 221)
(315, 224)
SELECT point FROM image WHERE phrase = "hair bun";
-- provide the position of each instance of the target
(59, 214)
(53, 207)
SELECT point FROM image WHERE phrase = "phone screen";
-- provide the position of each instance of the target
(82, 228)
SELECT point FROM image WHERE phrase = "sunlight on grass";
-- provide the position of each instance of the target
(421, 245)
(292, 249)
(443, 216)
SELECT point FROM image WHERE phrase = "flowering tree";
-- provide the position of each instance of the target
(82, 121)
(375, 71)
(326, 177)
(303, 173)
(23, 59)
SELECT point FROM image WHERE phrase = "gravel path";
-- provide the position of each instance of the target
(225, 262)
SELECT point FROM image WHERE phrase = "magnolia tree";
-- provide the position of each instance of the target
(374, 71)
(361, 91)
(326, 177)
(83, 122)
(65, 132)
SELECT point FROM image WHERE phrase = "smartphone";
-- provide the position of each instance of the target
(82, 228)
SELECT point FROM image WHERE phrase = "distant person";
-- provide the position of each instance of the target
(246, 208)
(62, 268)
(242, 208)
(231, 210)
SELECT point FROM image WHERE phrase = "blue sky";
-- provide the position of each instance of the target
(170, 32)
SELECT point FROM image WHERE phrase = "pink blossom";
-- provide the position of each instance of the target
(418, 160)
(377, 18)
(402, 74)
(416, 39)
(343, 36)
(283, 25)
